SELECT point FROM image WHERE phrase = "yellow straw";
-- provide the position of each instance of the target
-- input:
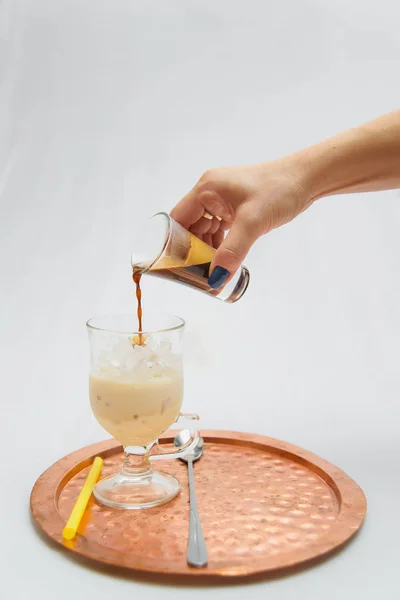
(76, 515)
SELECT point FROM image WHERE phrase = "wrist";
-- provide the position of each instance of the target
(299, 171)
(313, 171)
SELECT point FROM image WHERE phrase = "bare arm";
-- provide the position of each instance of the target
(363, 159)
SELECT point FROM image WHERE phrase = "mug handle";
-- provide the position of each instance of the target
(186, 448)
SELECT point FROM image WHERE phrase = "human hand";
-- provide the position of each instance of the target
(249, 201)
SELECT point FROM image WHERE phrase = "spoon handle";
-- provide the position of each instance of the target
(196, 550)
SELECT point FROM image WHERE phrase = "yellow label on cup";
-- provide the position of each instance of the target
(198, 253)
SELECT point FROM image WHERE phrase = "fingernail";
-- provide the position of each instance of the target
(218, 277)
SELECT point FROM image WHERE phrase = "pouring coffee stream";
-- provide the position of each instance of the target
(136, 276)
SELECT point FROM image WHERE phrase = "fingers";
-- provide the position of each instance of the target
(205, 229)
(190, 214)
(212, 202)
(201, 227)
(215, 225)
(208, 239)
(231, 253)
(218, 238)
(189, 210)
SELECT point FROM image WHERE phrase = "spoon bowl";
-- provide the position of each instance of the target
(182, 438)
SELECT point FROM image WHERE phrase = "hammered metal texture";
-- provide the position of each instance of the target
(264, 505)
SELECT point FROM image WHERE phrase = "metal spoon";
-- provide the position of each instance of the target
(196, 549)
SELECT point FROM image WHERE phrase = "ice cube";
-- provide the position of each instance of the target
(162, 349)
(139, 362)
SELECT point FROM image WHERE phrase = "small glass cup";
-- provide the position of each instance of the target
(166, 249)
(136, 393)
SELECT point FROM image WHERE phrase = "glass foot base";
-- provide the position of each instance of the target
(145, 491)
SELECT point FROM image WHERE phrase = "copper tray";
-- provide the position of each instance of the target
(265, 506)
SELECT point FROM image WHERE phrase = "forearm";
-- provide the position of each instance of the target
(363, 159)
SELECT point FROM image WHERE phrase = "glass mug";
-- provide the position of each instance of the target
(136, 393)
(166, 249)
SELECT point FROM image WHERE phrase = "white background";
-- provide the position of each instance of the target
(111, 110)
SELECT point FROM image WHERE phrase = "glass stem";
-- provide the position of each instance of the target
(136, 462)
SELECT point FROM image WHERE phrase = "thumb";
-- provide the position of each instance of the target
(231, 253)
